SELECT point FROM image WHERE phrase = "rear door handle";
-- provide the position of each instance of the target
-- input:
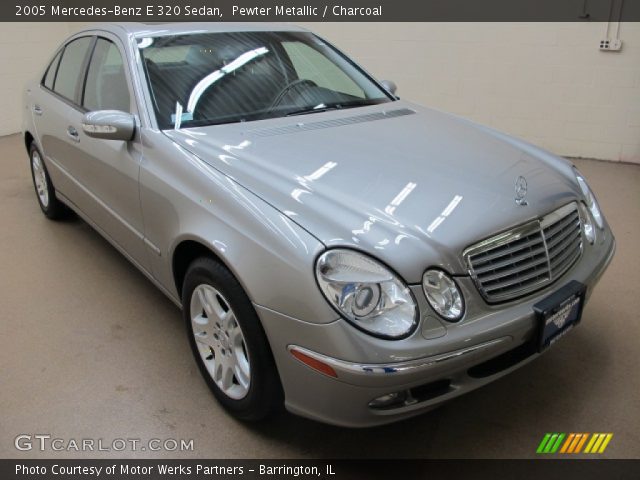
(37, 110)
(72, 133)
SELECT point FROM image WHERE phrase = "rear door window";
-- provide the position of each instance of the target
(70, 71)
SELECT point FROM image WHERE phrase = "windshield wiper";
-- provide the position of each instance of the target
(304, 111)
(323, 108)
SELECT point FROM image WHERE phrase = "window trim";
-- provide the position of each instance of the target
(86, 75)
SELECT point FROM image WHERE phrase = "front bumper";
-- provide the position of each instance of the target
(438, 362)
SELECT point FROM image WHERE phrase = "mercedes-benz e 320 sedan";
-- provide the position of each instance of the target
(352, 256)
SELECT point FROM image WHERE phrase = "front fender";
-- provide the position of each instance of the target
(183, 198)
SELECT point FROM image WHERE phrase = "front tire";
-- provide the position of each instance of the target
(228, 342)
(52, 208)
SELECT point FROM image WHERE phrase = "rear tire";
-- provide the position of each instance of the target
(229, 343)
(52, 208)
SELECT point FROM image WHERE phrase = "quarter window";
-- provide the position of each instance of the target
(106, 87)
(70, 69)
(51, 72)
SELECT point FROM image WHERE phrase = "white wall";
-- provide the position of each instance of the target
(545, 82)
(24, 50)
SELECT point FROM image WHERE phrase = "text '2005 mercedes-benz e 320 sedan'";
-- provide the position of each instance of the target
(354, 257)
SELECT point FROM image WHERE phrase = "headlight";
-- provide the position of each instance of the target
(366, 293)
(587, 224)
(590, 199)
(443, 295)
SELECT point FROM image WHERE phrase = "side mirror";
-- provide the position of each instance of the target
(109, 125)
(390, 86)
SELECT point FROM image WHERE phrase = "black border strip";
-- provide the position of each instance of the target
(327, 469)
(331, 11)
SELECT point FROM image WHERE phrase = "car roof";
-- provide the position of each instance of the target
(159, 29)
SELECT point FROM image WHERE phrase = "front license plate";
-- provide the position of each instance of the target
(559, 313)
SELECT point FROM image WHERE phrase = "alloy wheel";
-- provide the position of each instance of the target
(220, 341)
(40, 179)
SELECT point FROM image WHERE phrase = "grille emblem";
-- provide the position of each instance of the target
(521, 191)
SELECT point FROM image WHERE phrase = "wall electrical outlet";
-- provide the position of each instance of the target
(611, 44)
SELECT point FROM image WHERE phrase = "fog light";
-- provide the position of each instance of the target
(389, 400)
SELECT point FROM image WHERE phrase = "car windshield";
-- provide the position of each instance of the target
(214, 78)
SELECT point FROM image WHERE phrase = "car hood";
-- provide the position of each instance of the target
(411, 185)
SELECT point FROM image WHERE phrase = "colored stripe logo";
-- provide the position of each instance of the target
(574, 443)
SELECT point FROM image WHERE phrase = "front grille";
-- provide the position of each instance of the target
(528, 257)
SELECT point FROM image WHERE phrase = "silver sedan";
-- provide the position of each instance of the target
(353, 257)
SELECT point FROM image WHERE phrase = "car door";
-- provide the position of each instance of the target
(54, 108)
(101, 176)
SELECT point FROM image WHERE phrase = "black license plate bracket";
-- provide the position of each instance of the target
(559, 312)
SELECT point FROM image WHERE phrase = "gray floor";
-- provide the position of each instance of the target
(90, 349)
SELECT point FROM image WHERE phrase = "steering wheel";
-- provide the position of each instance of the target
(295, 84)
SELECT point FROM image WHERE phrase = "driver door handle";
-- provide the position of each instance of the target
(37, 110)
(72, 133)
